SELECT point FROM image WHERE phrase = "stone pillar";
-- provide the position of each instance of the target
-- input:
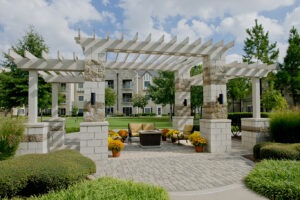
(254, 130)
(255, 98)
(35, 139)
(182, 106)
(54, 110)
(214, 125)
(33, 97)
(94, 130)
(56, 133)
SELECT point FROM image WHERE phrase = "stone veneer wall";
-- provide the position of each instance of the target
(218, 134)
(254, 130)
(56, 134)
(93, 140)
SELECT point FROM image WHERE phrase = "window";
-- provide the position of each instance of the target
(80, 85)
(109, 83)
(109, 110)
(61, 111)
(127, 84)
(63, 99)
(63, 87)
(147, 79)
(80, 111)
(127, 97)
(127, 111)
(147, 110)
(80, 98)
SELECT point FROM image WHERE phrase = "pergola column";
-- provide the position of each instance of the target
(182, 106)
(33, 97)
(54, 110)
(255, 98)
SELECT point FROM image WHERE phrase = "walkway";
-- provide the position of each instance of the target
(184, 173)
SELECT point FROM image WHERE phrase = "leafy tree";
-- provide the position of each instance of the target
(139, 101)
(14, 82)
(273, 100)
(74, 111)
(110, 97)
(162, 91)
(237, 89)
(291, 67)
(196, 91)
(196, 70)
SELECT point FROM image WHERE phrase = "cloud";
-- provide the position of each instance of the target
(54, 20)
(293, 19)
(233, 57)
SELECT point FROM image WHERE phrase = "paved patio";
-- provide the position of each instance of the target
(175, 167)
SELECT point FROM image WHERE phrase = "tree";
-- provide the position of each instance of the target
(162, 91)
(273, 100)
(291, 67)
(14, 82)
(110, 97)
(139, 101)
(258, 48)
(237, 89)
(196, 91)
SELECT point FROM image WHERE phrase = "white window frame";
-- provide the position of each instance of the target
(82, 98)
(146, 78)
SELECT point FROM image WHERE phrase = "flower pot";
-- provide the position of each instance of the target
(199, 148)
(173, 140)
(163, 138)
(116, 154)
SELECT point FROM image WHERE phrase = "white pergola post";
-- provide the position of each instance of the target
(54, 110)
(255, 98)
(33, 97)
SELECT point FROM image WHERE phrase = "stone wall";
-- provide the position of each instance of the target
(56, 134)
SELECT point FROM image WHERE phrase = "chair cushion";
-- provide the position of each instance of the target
(188, 129)
(135, 128)
(148, 126)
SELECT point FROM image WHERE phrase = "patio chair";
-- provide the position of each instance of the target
(185, 133)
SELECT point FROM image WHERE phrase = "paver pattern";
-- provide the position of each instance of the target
(175, 167)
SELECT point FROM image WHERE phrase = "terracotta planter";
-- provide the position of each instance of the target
(199, 148)
(163, 138)
(116, 154)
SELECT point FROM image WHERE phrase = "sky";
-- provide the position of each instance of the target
(58, 21)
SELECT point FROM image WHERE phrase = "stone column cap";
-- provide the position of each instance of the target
(104, 123)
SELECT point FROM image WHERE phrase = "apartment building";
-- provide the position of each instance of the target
(125, 84)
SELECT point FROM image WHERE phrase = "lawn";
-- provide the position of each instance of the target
(73, 123)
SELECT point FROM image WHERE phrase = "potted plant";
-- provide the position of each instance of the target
(164, 134)
(199, 142)
(115, 146)
(123, 133)
(173, 134)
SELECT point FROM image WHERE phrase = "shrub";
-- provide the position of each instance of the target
(11, 132)
(72, 129)
(270, 150)
(285, 127)
(236, 117)
(39, 173)
(275, 179)
(108, 189)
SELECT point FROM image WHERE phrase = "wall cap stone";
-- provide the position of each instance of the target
(255, 119)
(36, 125)
(216, 120)
(90, 124)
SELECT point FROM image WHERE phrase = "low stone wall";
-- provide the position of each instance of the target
(93, 140)
(254, 130)
(218, 134)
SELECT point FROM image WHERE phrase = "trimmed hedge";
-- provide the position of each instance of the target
(108, 189)
(39, 173)
(270, 150)
(285, 127)
(275, 179)
(236, 116)
(11, 132)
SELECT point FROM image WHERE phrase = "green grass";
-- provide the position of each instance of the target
(275, 179)
(73, 123)
(108, 189)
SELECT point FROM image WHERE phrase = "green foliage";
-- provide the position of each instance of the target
(74, 111)
(236, 116)
(108, 189)
(257, 46)
(39, 173)
(196, 97)
(196, 70)
(11, 132)
(14, 83)
(280, 151)
(110, 97)
(256, 149)
(290, 75)
(238, 88)
(162, 91)
(275, 179)
(285, 127)
(273, 100)
(140, 101)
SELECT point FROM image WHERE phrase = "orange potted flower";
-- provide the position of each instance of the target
(164, 134)
(115, 146)
(123, 133)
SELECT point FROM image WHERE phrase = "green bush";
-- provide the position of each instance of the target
(72, 129)
(11, 133)
(285, 127)
(269, 150)
(108, 189)
(236, 116)
(39, 173)
(275, 179)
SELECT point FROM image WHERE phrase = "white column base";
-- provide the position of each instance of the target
(93, 140)
(178, 122)
(254, 130)
(35, 139)
(218, 134)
